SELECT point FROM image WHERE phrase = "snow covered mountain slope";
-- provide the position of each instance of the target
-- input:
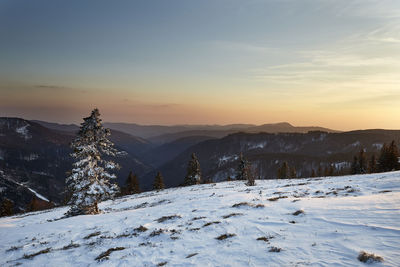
(299, 222)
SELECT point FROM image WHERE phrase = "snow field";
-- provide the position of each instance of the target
(314, 222)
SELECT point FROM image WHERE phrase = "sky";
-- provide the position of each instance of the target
(331, 63)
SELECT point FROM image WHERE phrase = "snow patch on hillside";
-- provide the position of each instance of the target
(293, 222)
(30, 157)
(23, 131)
(225, 159)
(257, 145)
(377, 146)
(342, 165)
(38, 195)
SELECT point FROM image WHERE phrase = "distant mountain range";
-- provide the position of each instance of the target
(160, 134)
(266, 152)
(35, 155)
(164, 134)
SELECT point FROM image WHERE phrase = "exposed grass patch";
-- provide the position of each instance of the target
(142, 205)
(92, 235)
(210, 223)
(157, 232)
(105, 255)
(194, 229)
(140, 229)
(296, 213)
(166, 218)
(275, 249)
(369, 257)
(232, 215)
(225, 236)
(241, 204)
(247, 204)
(13, 248)
(265, 238)
(276, 198)
(385, 191)
(30, 256)
(166, 201)
(71, 245)
(198, 218)
(191, 255)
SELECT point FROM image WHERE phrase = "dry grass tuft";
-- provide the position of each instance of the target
(276, 198)
(225, 236)
(140, 229)
(157, 232)
(231, 215)
(166, 218)
(191, 255)
(210, 223)
(72, 245)
(105, 255)
(274, 249)
(92, 235)
(30, 256)
(247, 204)
(296, 213)
(369, 257)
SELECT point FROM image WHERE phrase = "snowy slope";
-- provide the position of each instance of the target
(342, 216)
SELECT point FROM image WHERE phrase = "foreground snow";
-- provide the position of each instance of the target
(342, 216)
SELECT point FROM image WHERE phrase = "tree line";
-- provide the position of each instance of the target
(388, 160)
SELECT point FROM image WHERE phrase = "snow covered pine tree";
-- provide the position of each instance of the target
(193, 175)
(89, 180)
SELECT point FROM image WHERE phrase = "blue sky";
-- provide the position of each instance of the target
(220, 61)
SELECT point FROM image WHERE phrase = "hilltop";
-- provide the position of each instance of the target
(291, 222)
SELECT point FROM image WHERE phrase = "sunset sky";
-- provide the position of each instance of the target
(331, 63)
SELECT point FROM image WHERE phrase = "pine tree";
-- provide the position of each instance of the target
(393, 157)
(158, 182)
(313, 174)
(331, 171)
(362, 162)
(355, 169)
(326, 171)
(389, 158)
(283, 171)
(320, 174)
(372, 165)
(383, 159)
(89, 181)
(293, 173)
(131, 185)
(243, 169)
(6, 207)
(193, 175)
(250, 177)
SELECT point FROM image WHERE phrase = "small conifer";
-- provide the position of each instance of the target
(158, 182)
(193, 175)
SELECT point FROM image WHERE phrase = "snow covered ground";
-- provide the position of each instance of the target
(300, 222)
